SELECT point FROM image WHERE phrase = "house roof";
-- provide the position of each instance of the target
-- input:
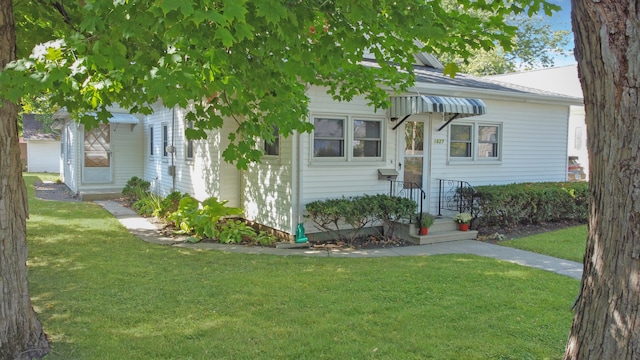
(33, 129)
(558, 79)
(432, 81)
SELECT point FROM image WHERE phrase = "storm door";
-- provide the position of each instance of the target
(413, 165)
(96, 165)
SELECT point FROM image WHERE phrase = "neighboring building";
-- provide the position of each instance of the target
(42, 146)
(23, 153)
(562, 80)
(103, 159)
(465, 129)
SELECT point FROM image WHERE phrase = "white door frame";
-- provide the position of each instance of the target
(102, 148)
(426, 154)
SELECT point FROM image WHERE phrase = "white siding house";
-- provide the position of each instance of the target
(467, 129)
(101, 160)
(562, 80)
(172, 163)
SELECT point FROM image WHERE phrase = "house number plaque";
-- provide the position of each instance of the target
(438, 141)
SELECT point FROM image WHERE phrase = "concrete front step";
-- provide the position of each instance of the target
(442, 230)
(98, 195)
(442, 236)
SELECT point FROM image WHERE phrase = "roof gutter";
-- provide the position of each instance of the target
(449, 90)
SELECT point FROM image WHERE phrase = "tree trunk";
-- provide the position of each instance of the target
(21, 334)
(607, 323)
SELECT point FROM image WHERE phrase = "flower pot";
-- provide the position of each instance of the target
(424, 231)
(463, 227)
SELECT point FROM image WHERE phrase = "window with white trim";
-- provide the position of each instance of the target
(189, 148)
(272, 147)
(151, 142)
(350, 138)
(475, 141)
(165, 140)
(328, 137)
(367, 138)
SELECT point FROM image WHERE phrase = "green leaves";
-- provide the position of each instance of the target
(201, 219)
(250, 60)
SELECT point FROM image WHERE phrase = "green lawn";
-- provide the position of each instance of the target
(103, 294)
(569, 243)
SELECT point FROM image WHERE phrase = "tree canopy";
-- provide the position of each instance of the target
(535, 45)
(244, 60)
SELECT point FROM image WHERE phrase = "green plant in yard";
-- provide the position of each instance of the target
(235, 232)
(147, 204)
(263, 238)
(390, 210)
(462, 218)
(327, 215)
(345, 218)
(201, 218)
(531, 203)
(168, 205)
(426, 220)
(135, 188)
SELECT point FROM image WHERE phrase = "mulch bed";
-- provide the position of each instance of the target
(60, 192)
(521, 230)
(366, 242)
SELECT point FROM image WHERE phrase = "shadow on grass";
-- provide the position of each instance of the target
(101, 293)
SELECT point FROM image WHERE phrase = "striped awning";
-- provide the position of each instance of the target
(404, 106)
(121, 118)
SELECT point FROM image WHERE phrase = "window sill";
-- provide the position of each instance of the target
(270, 159)
(474, 162)
(345, 162)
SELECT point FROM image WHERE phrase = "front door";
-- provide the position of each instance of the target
(413, 153)
(96, 166)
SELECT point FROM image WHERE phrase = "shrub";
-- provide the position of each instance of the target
(201, 218)
(390, 210)
(135, 188)
(147, 204)
(531, 203)
(335, 216)
(327, 215)
(168, 205)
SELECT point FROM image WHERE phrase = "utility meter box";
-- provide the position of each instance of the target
(387, 174)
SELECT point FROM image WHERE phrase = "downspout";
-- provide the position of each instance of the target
(300, 232)
(173, 149)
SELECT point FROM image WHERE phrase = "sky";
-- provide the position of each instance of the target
(562, 20)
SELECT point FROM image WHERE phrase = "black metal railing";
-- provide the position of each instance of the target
(410, 191)
(455, 195)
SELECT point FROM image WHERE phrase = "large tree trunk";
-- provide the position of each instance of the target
(607, 323)
(21, 335)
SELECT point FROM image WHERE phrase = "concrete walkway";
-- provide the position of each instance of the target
(147, 231)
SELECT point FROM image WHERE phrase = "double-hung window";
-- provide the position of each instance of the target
(189, 150)
(165, 140)
(329, 137)
(348, 138)
(367, 138)
(474, 142)
(151, 142)
(272, 147)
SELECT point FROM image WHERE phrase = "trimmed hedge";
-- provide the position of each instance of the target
(334, 216)
(531, 203)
